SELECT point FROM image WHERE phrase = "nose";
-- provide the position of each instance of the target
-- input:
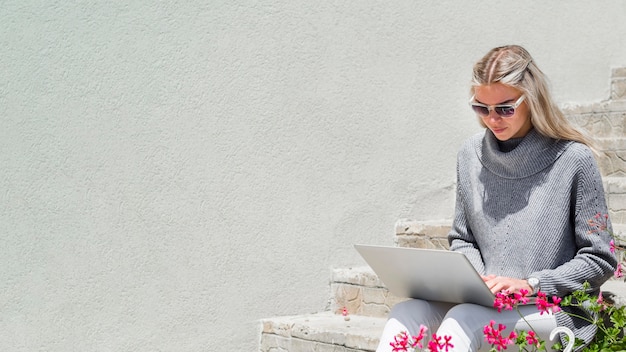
(492, 115)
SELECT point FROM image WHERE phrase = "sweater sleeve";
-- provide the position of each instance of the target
(593, 262)
(460, 237)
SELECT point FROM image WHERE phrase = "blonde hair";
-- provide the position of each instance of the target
(513, 66)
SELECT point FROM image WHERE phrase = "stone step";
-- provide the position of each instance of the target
(600, 120)
(321, 332)
(360, 291)
(422, 234)
(612, 159)
(612, 163)
(612, 143)
(615, 189)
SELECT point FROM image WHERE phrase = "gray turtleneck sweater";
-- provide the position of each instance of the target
(522, 211)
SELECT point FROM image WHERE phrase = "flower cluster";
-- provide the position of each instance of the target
(405, 342)
(507, 301)
(544, 306)
(493, 335)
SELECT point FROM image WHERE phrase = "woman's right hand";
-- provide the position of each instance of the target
(499, 283)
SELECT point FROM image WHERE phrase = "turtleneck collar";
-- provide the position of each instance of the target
(534, 153)
(510, 144)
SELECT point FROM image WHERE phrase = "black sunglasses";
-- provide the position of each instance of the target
(503, 110)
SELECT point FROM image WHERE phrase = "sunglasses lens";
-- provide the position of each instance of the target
(505, 111)
(480, 110)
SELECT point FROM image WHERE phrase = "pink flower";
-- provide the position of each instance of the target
(618, 272)
(433, 344)
(400, 342)
(542, 302)
(447, 345)
(531, 339)
(493, 335)
(555, 304)
(521, 297)
(545, 306)
(403, 340)
(417, 340)
(503, 301)
(612, 246)
(440, 343)
(600, 299)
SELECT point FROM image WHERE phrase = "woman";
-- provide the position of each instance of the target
(526, 188)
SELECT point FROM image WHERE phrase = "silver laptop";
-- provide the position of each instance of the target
(434, 275)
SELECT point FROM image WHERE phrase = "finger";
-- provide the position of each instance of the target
(487, 277)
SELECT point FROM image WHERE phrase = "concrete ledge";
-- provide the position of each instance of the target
(321, 332)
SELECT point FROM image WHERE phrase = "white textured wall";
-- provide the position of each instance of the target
(172, 173)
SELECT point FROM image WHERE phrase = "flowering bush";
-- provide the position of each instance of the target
(609, 319)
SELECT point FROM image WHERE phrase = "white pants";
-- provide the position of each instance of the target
(463, 322)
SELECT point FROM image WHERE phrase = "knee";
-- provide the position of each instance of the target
(408, 308)
(465, 311)
(467, 322)
(410, 315)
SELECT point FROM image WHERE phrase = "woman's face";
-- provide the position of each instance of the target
(505, 128)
